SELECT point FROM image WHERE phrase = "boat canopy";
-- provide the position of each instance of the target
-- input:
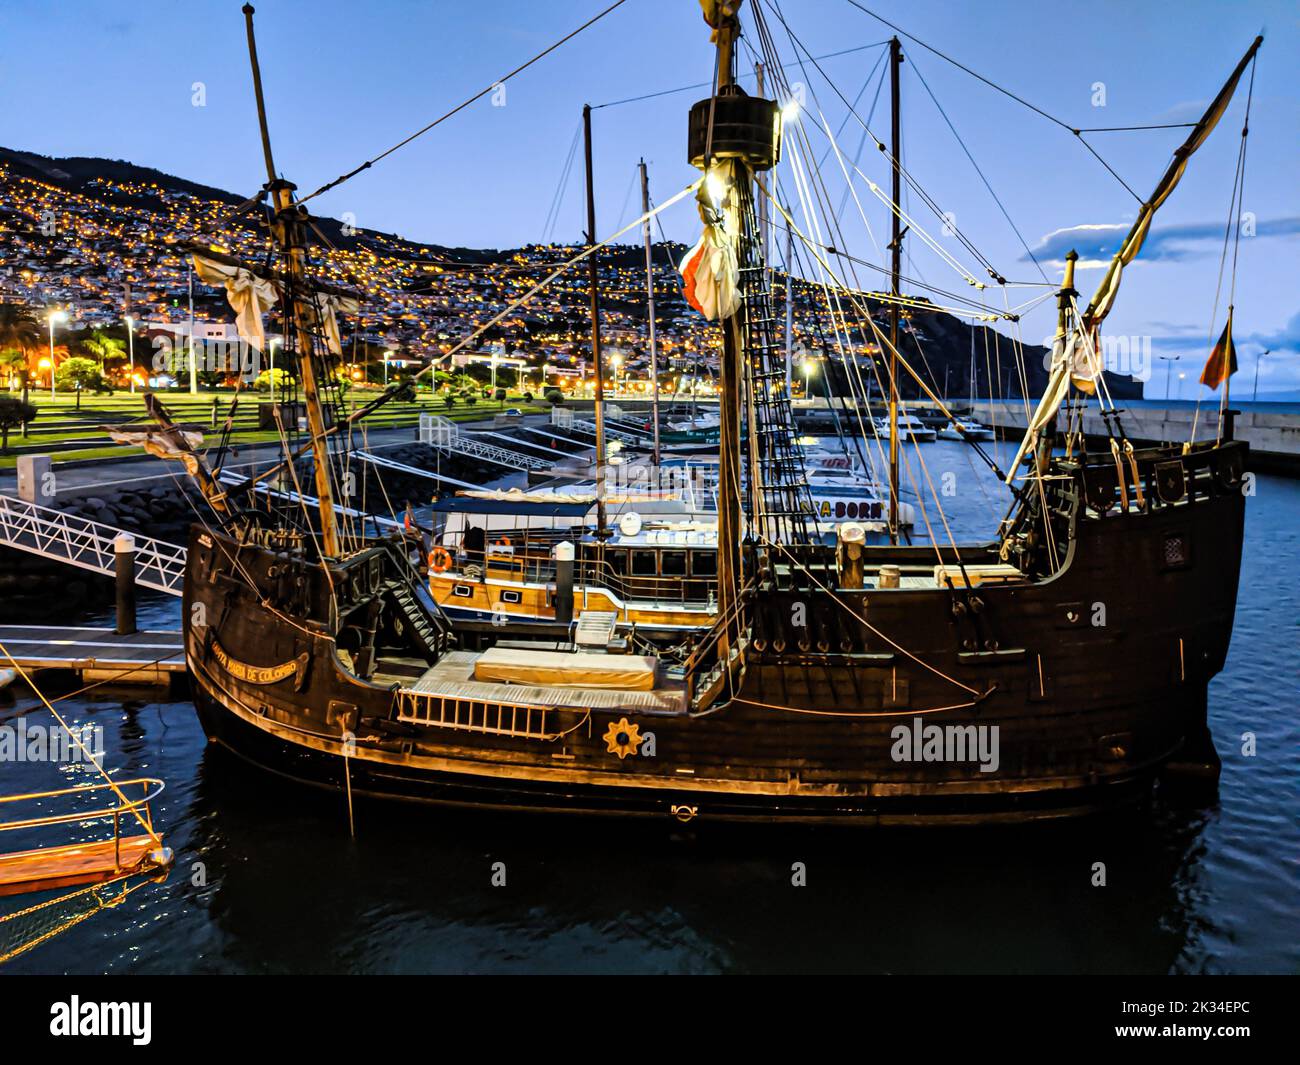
(548, 508)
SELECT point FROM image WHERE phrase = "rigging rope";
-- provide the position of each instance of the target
(461, 106)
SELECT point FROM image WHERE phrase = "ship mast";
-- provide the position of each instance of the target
(650, 312)
(593, 273)
(289, 232)
(895, 268)
(729, 398)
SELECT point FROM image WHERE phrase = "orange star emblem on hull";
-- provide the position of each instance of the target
(622, 738)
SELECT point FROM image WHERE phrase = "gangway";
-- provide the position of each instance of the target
(89, 545)
(589, 428)
(445, 435)
(413, 471)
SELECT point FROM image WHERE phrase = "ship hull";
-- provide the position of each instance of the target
(1067, 695)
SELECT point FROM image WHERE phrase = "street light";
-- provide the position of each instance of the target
(1169, 360)
(808, 368)
(55, 316)
(1258, 359)
(130, 341)
(388, 354)
(616, 360)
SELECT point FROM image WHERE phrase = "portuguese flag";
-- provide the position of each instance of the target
(1222, 362)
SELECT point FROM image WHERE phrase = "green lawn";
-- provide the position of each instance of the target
(73, 425)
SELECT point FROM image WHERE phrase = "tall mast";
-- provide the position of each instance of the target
(729, 398)
(650, 311)
(288, 230)
(896, 263)
(593, 274)
(789, 307)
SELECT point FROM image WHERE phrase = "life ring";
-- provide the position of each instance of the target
(501, 541)
(440, 560)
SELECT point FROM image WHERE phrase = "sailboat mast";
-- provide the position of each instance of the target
(650, 311)
(789, 308)
(288, 230)
(593, 274)
(895, 268)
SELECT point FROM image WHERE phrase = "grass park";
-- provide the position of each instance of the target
(72, 429)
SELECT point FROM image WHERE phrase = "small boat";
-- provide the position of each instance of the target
(910, 428)
(965, 429)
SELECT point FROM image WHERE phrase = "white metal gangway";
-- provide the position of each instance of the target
(87, 544)
(614, 434)
(445, 435)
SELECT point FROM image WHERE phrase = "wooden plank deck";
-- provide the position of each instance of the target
(453, 678)
(74, 864)
(144, 657)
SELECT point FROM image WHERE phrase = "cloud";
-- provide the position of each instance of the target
(1097, 243)
(1285, 339)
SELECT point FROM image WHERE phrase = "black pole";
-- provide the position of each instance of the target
(896, 266)
(124, 575)
(596, 356)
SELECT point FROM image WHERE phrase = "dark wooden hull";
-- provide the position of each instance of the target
(1095, 678)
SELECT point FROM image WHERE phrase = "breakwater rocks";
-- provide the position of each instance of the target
(160, 511)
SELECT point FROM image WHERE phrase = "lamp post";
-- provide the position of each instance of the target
(807, 373)
(388, 354)
(130, 347)
(617, 360)
(1254, 396)
(1169, 360)
(1181, 375)
(55, 316)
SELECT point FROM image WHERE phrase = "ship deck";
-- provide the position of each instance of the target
(453, 678)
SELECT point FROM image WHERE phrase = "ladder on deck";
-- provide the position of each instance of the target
(595, 628)
(87, 544)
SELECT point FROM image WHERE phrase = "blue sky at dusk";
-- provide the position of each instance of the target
(347, 80)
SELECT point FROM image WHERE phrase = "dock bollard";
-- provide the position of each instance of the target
(564, 583)
(124, 571)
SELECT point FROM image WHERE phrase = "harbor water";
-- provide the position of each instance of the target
(268, 878)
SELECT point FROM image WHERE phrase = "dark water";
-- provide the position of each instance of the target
(287, 890)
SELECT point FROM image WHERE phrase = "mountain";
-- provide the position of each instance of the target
(88, 233)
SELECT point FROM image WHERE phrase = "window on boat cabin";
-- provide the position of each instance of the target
(704, 563)
(643, 564)
(509, 595)
(673, 563)
(462, 590)
(617, 561)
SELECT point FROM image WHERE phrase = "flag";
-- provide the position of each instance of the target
(1222, 362)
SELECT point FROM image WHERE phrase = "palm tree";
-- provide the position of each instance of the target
(20, 329)
(103, 347)
(13, 364)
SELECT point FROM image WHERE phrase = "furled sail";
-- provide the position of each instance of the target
(1075, 359)
(711, 271)
(250, 296)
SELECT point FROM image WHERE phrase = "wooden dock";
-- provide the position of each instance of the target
(146, 657)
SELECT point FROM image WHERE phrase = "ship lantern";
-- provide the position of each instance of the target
(743, 127)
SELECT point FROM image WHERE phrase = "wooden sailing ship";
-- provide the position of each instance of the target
(837, 684)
